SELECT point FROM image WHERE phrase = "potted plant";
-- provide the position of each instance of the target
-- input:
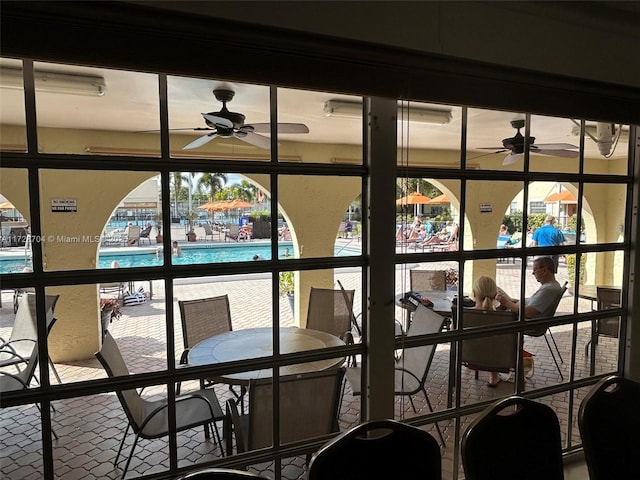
(287, 288)
(109, 311)
(191, 234)
(158, 219)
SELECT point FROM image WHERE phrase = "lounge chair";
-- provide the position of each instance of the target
(144, 234)
(133, 235)
(232, 231)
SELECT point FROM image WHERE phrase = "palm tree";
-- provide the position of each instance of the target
(212, 182)
(177, 178)
(247, 191)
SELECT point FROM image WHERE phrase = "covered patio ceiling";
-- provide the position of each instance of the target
(130, 104)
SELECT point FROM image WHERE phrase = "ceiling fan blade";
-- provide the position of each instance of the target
(557, 152)
(497, 149)
(511, 158)
(191, 129)
(198, 142)
(256, 140)
(485, 154)
(282, 128)
(218, 121)
(555, 146)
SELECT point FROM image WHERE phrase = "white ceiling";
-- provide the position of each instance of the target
(130, 104)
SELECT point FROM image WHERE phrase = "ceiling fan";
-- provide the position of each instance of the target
(227, 124)
(516, 144)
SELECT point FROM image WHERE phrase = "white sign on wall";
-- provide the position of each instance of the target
(65, 205)
(486, 208)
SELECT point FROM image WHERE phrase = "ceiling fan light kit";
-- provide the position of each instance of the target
(346, 109)
(55, 82)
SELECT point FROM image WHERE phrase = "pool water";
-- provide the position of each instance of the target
(188, 256)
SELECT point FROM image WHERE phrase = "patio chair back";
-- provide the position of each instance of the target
(386, 449)
(145, 234)
(609, 298)
(413, 366)
(609, 421)
(221, 474)
(114, 365)
(24, 334)
(494, 353)
(309, 405)
(550, 312)
(203, 318)
(331, 311)
(133, 233)
(149, 418)
(543, 331)
(513, 438)
(208, 231)
(21, 379)
(423, 280)
(232, 231)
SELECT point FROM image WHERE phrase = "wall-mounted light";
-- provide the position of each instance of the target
(347, 109)
(55, 82)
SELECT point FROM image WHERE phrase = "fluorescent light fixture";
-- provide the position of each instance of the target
(346, 109)
(55, 82)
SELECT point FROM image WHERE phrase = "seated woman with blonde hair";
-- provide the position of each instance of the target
(484, 293)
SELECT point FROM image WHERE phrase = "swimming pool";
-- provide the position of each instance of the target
(233, 252)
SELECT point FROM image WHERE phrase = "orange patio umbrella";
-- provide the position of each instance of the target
(565, 196)
(209, 206)
(415, 198)
(439, 200)
(231, 204)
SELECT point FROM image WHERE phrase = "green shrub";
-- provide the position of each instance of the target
(513, 222)
(535, 221)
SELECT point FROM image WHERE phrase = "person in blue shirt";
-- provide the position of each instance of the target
(548, 236)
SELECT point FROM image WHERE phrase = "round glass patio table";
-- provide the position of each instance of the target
(254, 343)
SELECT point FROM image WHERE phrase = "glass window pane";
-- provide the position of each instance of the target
(336, 137)
(112, 108)
(218, 120)
(606, 147)
(427, 215)
(432, 131)
(85, 216)
(13, 131)
(14, 220)
(491, 137)
(554, 149)
(332, 203)
(603, 212)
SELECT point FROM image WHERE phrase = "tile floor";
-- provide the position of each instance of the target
(90, 428)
